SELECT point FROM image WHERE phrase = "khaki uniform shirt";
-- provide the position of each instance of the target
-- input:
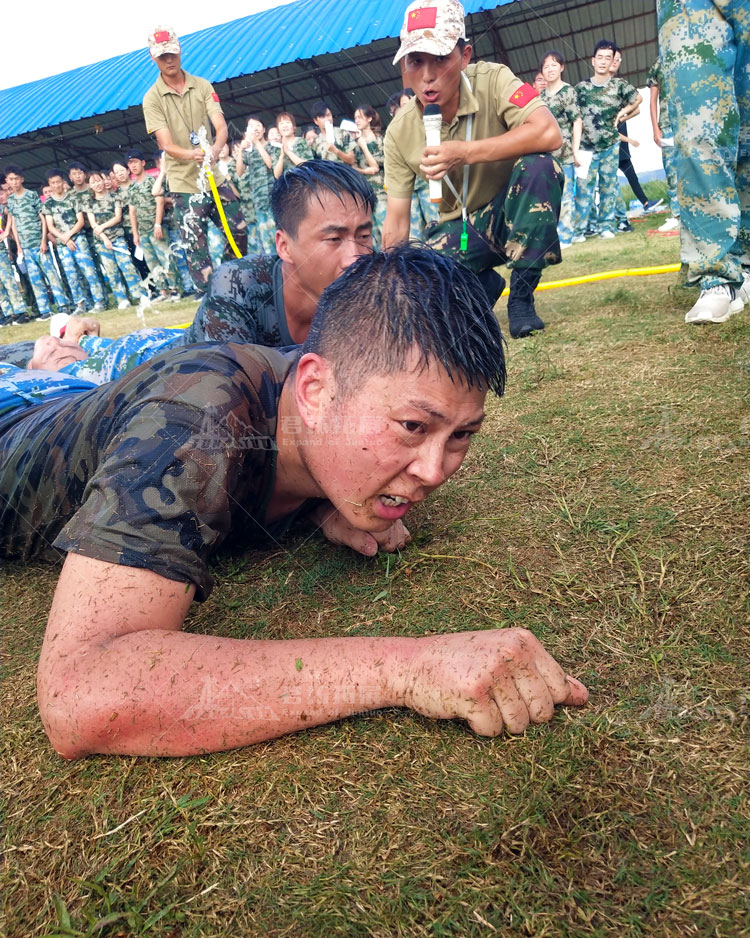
(494, 114)
(181, 114)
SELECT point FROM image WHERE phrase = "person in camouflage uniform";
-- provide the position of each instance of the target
(369, 156)
(255, 172)
(105, 218)
(332, 143)
(293, 150)
(11, 298)
(146, 212)
(218, 445)
(501, 191)
(562, 100)
(184, 114)
(65, 222)
(704, 46)
(323, 213)
(664, 139)
(30, 228)
(605, 101)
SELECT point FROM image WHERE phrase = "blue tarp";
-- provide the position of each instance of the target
(265, 40)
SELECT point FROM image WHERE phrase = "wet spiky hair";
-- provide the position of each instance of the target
(387, 305)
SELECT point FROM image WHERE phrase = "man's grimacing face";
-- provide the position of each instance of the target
(391, 442)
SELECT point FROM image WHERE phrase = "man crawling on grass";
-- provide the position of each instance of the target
(138, 482)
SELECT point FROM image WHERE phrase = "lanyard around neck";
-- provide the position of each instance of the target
(462, 201)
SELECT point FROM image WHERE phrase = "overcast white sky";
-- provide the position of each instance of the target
(89, 31)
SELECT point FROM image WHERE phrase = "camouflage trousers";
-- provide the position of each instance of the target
(517, 228)
(669, 159)
(565, 227)
(217, 244)
(41, 271)
(80, 263)
(11, 297)
(118, 267)
(265, 227)
(378, 217)
(424, 214)
(705, 55)
(162, 267)
(602, 172)
(176, 249)
(192, 213)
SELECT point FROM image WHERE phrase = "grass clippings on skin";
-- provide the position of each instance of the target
(604, 506)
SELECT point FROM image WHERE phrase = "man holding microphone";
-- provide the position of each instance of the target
(500, 189)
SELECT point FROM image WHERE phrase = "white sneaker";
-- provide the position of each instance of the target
(123, 304)
(716, 304)
(607, 234)
(671, 224)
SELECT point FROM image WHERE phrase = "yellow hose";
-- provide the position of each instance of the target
(606, 275)
(220, 207)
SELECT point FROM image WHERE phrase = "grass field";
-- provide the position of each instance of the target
(605, 507)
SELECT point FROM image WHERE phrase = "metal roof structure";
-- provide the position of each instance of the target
(288, 57)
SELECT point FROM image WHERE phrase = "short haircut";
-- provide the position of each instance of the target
(376, 125)
(56, 172)
(394, 101)
(605, 44)
(123, 163)
(387, 304)
(254, 117)
(554, 55)
(96, 172)
(293, 191)
(77, 165)
(288, 116)
(461, 44)
(318, 109)
(13, 168)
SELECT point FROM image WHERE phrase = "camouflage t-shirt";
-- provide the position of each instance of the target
(81, 199)
(25, 210)
(103, 209)
(300, 149)
(63, 212)
(655, 79)
(153, 471)
(565, 108)
(376, 149)
(600, 105)
(258, 178)
(122, 195)
(342, 140)
(140, 196)
(244, 303)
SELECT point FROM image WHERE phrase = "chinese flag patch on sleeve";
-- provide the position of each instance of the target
(424, 18)
(521, 96)
(216, 97)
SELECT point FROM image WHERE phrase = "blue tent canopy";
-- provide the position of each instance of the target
(301, 30)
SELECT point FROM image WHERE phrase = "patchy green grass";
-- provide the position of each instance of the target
(605, 507)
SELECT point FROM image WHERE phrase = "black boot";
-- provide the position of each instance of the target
(522, 317)
(493, 285)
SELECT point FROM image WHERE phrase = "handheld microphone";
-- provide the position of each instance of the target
(433, 120)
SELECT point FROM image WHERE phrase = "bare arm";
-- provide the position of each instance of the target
(397, 221)
(654, 111)
(278, 169)
(576, 143)
(539, 133)
(220, 133)
(116, 674)
(165, 142)
(134, 224)
(630, 110)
